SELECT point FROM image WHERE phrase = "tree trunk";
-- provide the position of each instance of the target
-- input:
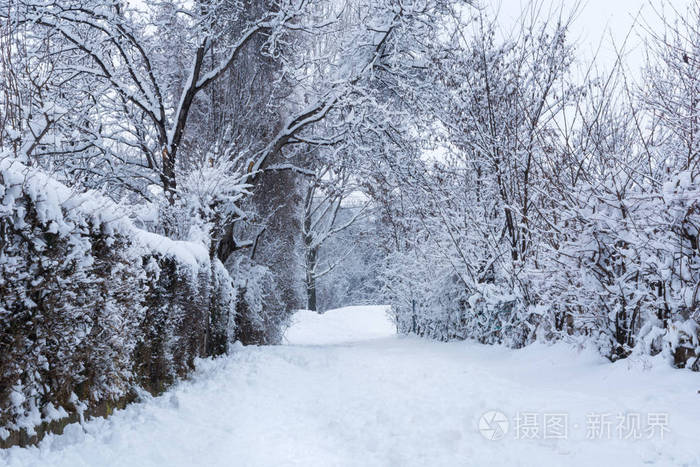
(311, 258)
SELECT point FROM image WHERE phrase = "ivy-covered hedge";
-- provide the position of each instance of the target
(92, 308)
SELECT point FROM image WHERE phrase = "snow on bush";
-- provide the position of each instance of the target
(92, 307)
(441, 306)
(261, 316)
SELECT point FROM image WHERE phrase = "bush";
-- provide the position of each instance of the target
(91, 308)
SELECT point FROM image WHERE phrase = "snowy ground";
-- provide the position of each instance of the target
(346, 392)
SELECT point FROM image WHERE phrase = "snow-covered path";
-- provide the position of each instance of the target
(346, 392)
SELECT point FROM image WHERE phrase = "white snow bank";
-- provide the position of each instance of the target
(353, 323)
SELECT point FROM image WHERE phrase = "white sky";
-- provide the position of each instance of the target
(598, 19)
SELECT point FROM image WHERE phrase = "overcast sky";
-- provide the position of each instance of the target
(598, 19)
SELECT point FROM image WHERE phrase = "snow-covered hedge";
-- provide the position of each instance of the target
(624, 274)
(92, 308)
(437, 304)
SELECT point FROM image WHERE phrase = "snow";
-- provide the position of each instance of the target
(340, 326)
(346, 391)
(194, 254)
(56, 202)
